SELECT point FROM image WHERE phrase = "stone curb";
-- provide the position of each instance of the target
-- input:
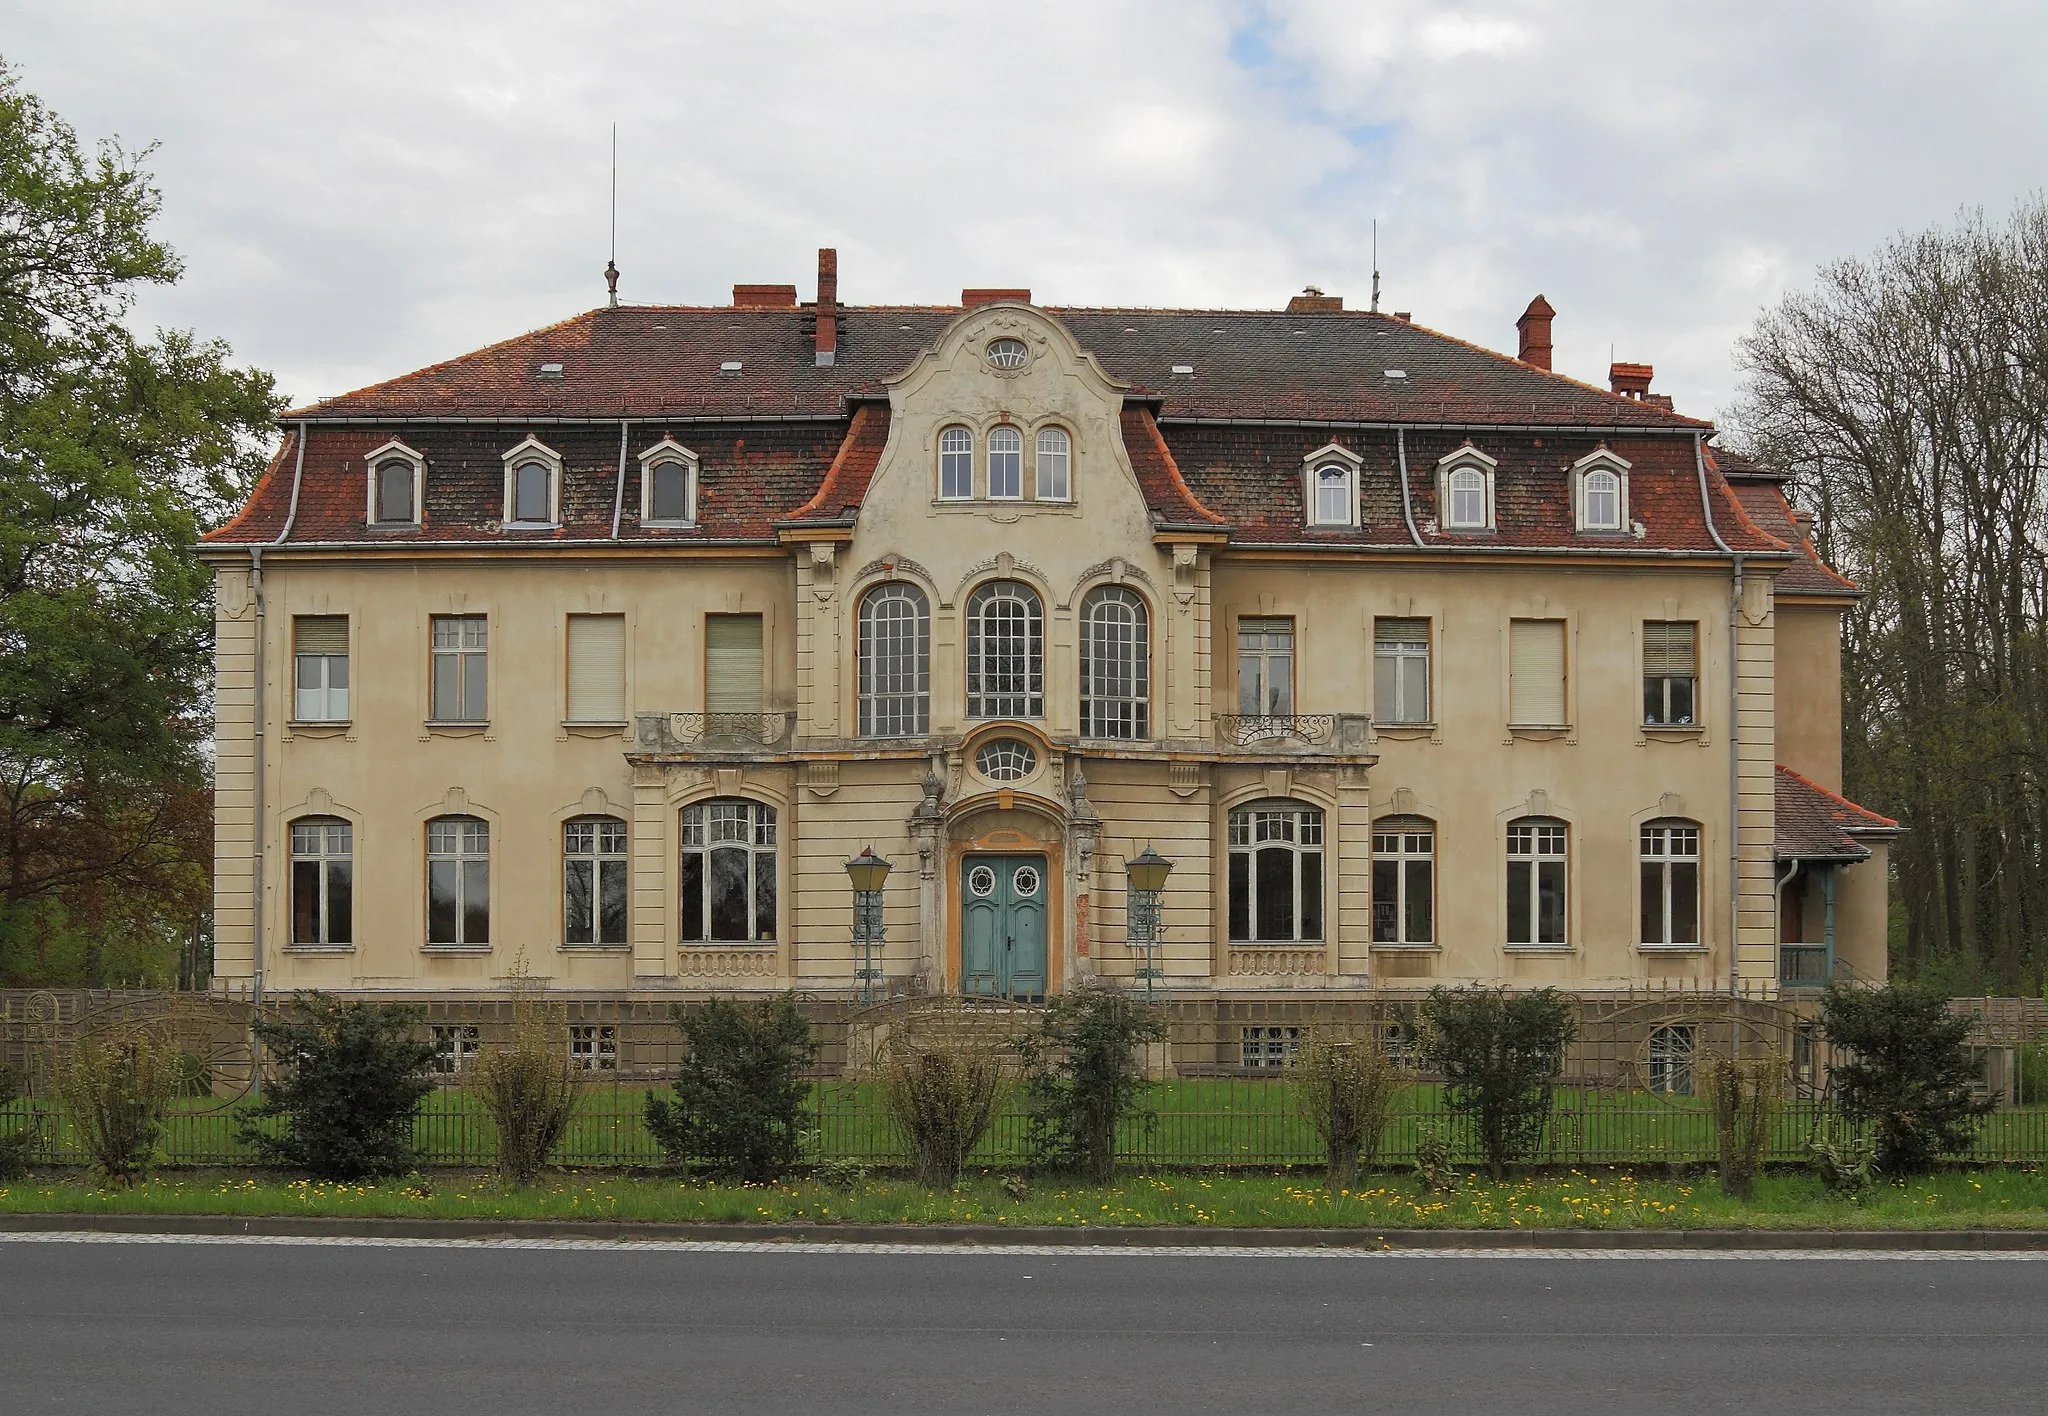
(973, 1234)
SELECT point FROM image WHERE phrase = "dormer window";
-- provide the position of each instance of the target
(397, 482)
(533, 485)
(1600, 491)
(1005, 464)
(1464, 490)
(1331, 474)
(668, 485)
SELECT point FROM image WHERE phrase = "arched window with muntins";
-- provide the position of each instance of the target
(323, 881)
(1276, 873)
(1116, 665)
(1005, 652)
(1602, 501)
(956, 464)
(728, 872)
(895, 662)
(1054, 459)
(594, 881)
(1467, 510)
(1005, 464)
(1333, 495)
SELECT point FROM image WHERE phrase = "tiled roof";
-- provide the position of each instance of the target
(1761, 494)
(846, 481)
(646, 360)
(1159, 476)
(1814, 823)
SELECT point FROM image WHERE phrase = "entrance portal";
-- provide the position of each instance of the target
(1002, 926)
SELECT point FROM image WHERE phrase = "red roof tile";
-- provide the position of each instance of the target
(1762, 498)
(1166, 491)
(1814, 823)
(846, 482)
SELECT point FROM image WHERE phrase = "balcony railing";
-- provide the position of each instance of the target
(1294, 732)
(713, 732)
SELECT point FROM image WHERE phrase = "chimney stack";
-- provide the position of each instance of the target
(827, 338)
(1312, 301)
(764, 297)
(973, 296)
(1534, 327)
(1631, 380)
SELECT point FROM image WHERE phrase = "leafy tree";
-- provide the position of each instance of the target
(1908, 1072)
(115, 451)
(1500, 1054)
(353, 1076)
(738, 1101)
(1083, 1077)
(1344, 1087)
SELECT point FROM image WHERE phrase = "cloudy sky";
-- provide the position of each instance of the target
(360, 189)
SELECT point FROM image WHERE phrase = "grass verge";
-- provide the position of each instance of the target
(1592, 1198)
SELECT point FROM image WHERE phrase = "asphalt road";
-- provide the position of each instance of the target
(167, 1329)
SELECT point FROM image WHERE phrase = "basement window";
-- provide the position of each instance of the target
(594, 1048)
(1270, 1048)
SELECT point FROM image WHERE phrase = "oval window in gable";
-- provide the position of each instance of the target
(1008, 353)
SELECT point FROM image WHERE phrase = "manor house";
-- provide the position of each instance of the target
(596, 655)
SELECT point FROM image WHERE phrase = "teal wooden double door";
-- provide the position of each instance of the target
(1003, 900)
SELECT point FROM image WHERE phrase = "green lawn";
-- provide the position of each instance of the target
(1595, 1198)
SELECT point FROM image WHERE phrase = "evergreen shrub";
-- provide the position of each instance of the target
(737, 1106)
(1908, 1072)
(350, 1080)
(1500, 1054)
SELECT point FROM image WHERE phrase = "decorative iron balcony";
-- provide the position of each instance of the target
(713, 732)
(1294, 732)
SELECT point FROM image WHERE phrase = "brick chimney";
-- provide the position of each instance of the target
(1631, 380)
(1312, 301)
(971, 297)
(764, 297)
(827, 335)
(1534, 327)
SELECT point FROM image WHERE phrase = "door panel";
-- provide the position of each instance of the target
(1003, 904)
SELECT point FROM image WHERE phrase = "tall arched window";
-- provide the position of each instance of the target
(1005, 463)
(1333, 495)
(956, 464)
(1467, 510)
(1671, 884)
(1537, 880)
(1404, 881)
(1276, 873)
(323, 882)
(1054, 457)
(1116, 665)
(728, 875)
(458, 883)
(594, 881)
(895, 662)
(1005, 652)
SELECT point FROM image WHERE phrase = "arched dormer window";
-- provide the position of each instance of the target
(1005, 464)
(1600, 492)
(1005, 652)
(1055, 461)
(1116, 668)
(397, 485)
(1465, 491)
(956, 464)
(895, 661)
(668, 485)
(1331, 483)
(533, 485)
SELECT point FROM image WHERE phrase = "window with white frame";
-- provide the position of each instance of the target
(728, 872)
(458, 883)
(1404, 881)
(1265, 666)
(459, 671)
(1055, 460)
(1670, 673)
(956, 464)
(1537, 862)
(1465, 491)
(1400, 670)
(1601, 485)
(320, 668)
(668, 485)
(895, 661)
(1276, 873)
(596, 669)
(1536, 673)
(395, 491)
(533, 485)
(1334, 496)
(1116, 670)
(1671, 884)
(323, 882)
(1005, 652)
(1005, 463)
(594, 881)
(593, 1047)
(1671, 1058)
(1270, 1048)
(455, 1047)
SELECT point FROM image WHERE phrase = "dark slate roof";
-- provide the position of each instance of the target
(643, 360)
(1817, 824)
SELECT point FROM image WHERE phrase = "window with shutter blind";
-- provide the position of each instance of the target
(1536, 673)
(732, 663)
(597, 668)
(320, 668)
(1400, 670)
(1670, 673)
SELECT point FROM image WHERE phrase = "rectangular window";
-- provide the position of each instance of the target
(1671, 1054)
(1671, 885)
(594, 1047)
(728, 869)
(323, 883)
(455, 1047)
(1270, 1048)
(1403, 884)
(732, 663)
(597, 668)
(458, 882)
(1265, 667)
(1536, 884)
(320, 668)
(459, 669)
(1536, 672)
(1670, 673)
(1276, 874)
(594, 881)
(1400, 670)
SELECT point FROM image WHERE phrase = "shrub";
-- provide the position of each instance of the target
(738, 1101)
(1846, 1163)
(1908, 1072)
(1744, 1094)
(942, 1091)
(116, 1089)
(1344, 1088)
(351, 1077)
(528, 1088)
(1082, 1077)
(1500, 1053)
(15, 1144)
(1433, 1165)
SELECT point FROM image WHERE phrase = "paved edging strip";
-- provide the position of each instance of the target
(1036, 1236)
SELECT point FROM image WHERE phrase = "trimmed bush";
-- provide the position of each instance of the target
(528, 1088)
(115, 1089)
(942, 1091)
(1908, 1072)
(737, 1105)
(1083, 1077)
(1344, 1088)
(1744, 1093)
(351, 1077)
(1500, 1054)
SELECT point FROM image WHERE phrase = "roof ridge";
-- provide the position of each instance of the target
(311, 409)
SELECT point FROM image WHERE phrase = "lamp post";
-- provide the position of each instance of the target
(867, 871)
(1146, 873)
